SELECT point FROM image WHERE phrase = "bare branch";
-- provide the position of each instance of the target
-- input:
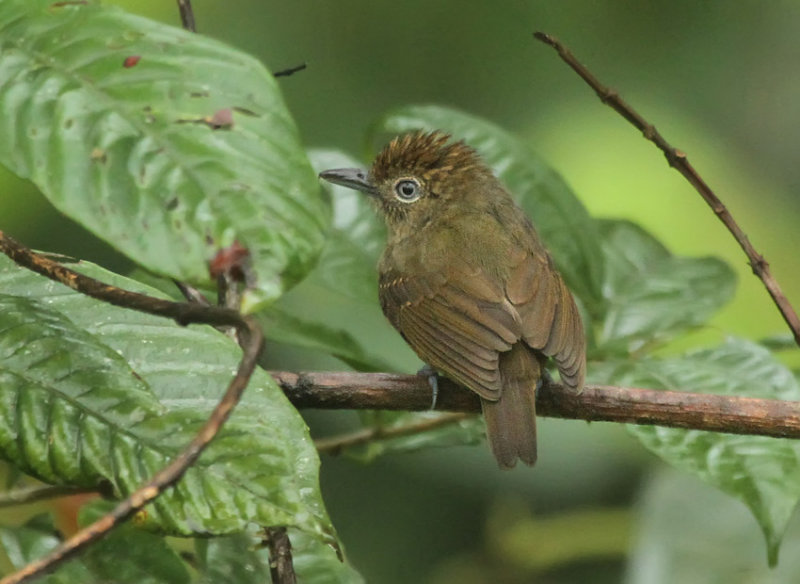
(674, 409)
(677, 159)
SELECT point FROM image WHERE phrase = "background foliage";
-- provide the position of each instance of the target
(716, 95)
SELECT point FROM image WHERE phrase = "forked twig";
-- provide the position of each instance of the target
(252, 340)
(677, 159)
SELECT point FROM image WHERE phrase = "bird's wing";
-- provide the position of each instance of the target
(458, 324)
(550, 319)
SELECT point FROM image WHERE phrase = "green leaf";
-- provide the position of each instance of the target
(688, 532)
(316, 563)
(764, 473)
(35, 539)
(282, 327)
(242, 559)
(652, 295)
(318, 314)
(779, 342)
(560, 218)
(127, 152)
(235, 558)
(349, 260)
(130, 554)
(74, 412)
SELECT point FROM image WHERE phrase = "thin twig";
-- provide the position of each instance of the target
(281, 567)
(181, 312)
(187, 15)
(290, 70)
(597, 403)
(24, 495)
(334, 444)
(677, 159)
(169, 475)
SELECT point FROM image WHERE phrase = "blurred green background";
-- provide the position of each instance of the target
(721, 81)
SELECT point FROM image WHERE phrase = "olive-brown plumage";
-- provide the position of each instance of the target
(467, 282)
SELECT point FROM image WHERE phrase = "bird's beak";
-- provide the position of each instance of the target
(353, 178)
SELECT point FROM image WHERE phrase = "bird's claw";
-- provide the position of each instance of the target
(433, 380)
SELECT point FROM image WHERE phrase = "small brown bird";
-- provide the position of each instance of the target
(469, 285)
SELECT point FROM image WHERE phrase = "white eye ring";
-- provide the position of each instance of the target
(407, 190)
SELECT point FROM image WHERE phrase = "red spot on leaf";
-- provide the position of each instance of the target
(230, 260)
(131, 61)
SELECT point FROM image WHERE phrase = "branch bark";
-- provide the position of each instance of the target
(597, 403)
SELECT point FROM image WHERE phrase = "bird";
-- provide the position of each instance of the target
(468, 283)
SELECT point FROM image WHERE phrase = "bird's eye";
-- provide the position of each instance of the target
(408, 190)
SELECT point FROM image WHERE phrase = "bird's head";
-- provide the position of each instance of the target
(416, 177)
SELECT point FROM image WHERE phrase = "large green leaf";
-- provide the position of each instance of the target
(318, 314)
(561, 219)
(74, 412)
(652, 295)
(764, 473)
(127, 151)
(282, 327)
(129, 554)
(690, 533)
(350, 258)
(346, 268)
(33, 540)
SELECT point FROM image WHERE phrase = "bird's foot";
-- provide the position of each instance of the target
(545, 379)
(433, 380)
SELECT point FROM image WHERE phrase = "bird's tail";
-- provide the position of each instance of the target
(511, 420)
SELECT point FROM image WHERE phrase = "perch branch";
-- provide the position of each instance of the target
(183, 314)
(597, 403)
(677, 159)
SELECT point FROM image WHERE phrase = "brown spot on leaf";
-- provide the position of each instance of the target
(98, 155)
(221, 119)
